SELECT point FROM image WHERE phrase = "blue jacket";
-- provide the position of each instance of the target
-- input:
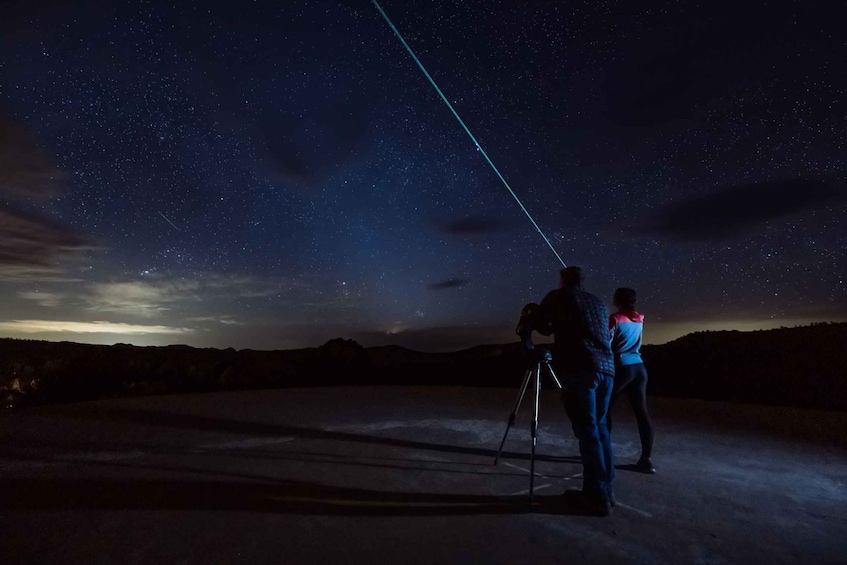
(626, 327)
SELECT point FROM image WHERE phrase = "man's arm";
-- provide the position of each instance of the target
(542, 320)
(613, 327)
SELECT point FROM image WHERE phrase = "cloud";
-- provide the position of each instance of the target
(25, 168)
(157, 295)
(30, 245)
(46, 299)
(225, 319)
(449, 283)
(40, 326)
(242, 285)
(298, 149)
(141, 298)
(737, 209)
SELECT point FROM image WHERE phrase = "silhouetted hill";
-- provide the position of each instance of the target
(799, 367)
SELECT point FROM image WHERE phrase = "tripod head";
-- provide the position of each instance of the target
(540, 355)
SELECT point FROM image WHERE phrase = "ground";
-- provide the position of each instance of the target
(408, 475)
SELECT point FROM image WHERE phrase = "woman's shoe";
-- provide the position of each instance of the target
(644, 465)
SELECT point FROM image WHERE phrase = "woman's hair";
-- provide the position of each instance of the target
(625, 298)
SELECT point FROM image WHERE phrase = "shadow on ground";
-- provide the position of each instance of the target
(285, 496)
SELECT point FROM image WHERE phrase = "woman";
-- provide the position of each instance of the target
(626, 326)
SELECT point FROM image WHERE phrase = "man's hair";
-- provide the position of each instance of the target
(571, 276)
(625, 298)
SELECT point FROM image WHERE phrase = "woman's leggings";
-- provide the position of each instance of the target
(631, 380)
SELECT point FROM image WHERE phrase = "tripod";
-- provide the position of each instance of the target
(538, 356)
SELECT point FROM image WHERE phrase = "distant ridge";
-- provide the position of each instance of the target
(801, 366)
(798, 367)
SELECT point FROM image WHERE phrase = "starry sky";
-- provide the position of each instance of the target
(273, 175)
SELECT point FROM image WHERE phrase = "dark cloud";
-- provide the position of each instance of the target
(29, 243)
(33, 244)
(737, 209)
(299, 149)
(474, 226)
(25, 168)
(449, 283)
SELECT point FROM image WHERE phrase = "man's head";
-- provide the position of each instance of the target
(625, 298)
(570, 277)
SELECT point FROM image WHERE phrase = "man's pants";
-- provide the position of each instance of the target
(586, 397)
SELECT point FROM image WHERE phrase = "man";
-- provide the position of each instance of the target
(583, 357)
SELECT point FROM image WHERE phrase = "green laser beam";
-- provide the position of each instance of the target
(456, 114)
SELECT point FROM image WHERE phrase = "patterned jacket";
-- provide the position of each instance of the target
(579, 322)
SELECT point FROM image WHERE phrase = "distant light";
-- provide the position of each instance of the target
(39, 326)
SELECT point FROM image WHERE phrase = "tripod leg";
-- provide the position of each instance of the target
(534, 430)
(555, 378)
(514, 413)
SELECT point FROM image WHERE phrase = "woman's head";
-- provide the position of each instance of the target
(625, 298)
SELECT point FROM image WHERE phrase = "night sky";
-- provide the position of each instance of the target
(273, 175)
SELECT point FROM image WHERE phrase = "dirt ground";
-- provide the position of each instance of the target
(408, 475)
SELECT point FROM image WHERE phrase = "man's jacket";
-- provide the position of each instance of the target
(579, 322)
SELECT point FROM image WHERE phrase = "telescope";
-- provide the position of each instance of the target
(525, 328)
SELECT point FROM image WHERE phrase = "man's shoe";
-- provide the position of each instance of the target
(589, 505)
(600, 507)
(644, 465)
